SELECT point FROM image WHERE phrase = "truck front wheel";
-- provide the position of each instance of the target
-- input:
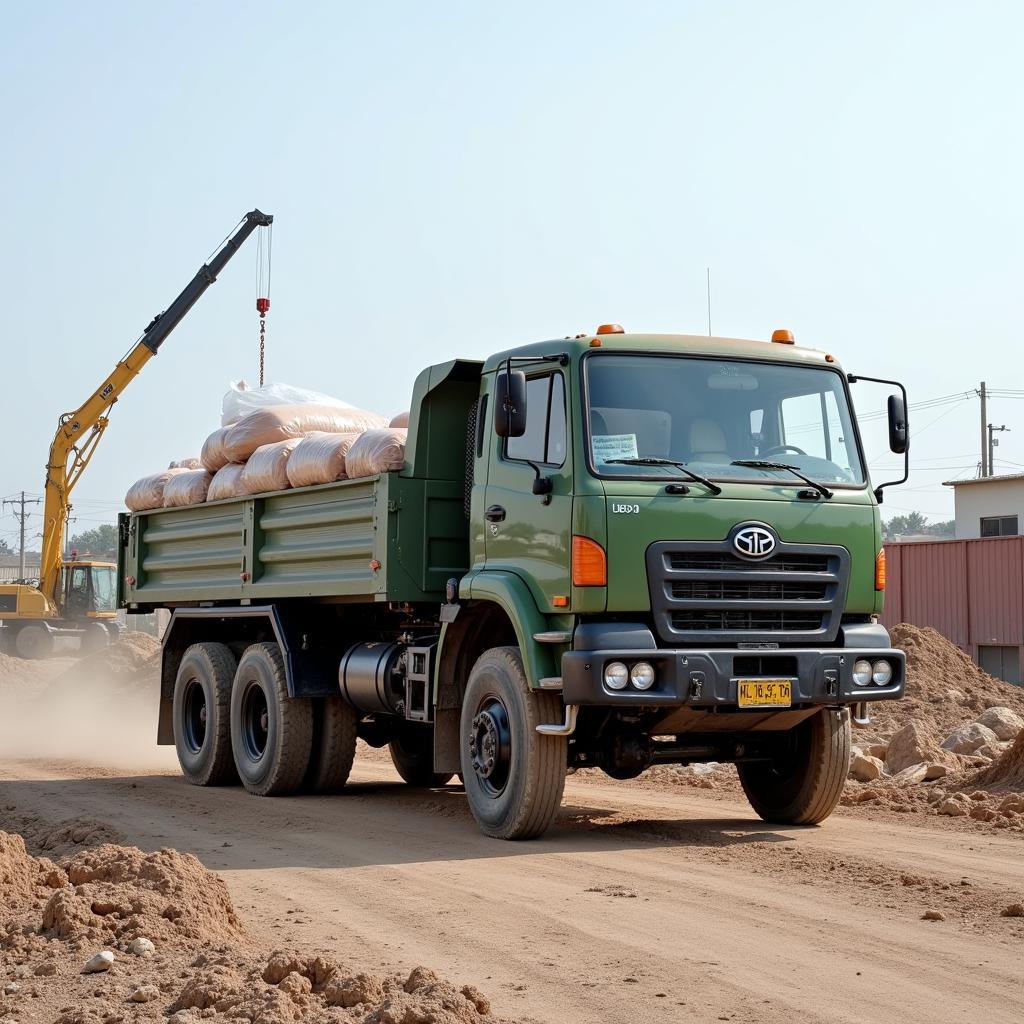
(513, 775)
(271, 733)
(202, 730)
(412, 752)
(802, 785)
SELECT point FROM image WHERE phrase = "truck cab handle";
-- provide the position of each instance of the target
(495, 514)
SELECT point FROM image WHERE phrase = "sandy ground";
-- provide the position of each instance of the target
(639, 905)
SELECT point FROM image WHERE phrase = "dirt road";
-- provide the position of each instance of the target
(640, 906)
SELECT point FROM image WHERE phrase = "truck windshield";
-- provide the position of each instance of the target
(708, 413)
(104, 590)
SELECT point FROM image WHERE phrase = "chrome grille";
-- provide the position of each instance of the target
(702, 592)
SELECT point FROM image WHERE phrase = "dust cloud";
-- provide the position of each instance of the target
(99, 710)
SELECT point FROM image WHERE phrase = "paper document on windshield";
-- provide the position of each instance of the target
(614, 446)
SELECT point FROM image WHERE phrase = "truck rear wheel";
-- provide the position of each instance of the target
(271, 733)
(803, 786)
(201, 715)
(513, 775)
(334, 745)
(412, 751)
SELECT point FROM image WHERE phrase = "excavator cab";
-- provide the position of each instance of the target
(89, 590)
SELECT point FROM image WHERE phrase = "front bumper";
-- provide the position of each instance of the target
(710, 678)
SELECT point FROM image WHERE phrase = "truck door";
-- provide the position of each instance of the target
(524, 532)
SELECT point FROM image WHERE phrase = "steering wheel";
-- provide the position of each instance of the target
(779, 448)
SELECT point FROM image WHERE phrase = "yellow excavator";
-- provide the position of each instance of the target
(78, 598)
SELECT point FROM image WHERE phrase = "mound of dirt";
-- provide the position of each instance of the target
(1006, 774)
(944, 687)
(198, 964)
(133, 663)
(43, 836)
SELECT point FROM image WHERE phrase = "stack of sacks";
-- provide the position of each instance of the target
(267, 467)
(226, 483)
(285, 422)
(148, 492)
(319, 458)
(376, 451)
(187, 487)
(273, 438)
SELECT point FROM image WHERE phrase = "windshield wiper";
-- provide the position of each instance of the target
(652, 461)
(762, 464)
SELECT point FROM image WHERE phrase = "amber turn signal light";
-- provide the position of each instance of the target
(589, 565)
(783, 337)
(880, 570)
(610, 329)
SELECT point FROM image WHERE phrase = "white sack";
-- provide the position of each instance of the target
(214, 454)
(284, 422)
(319, 459)
(401, 420)
(240, 399)
(226, 483)
(376, 451)
(189, 487)
(148, 492)
(267, 468)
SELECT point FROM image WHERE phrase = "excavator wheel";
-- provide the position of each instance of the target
(95, 638)
(33, 642)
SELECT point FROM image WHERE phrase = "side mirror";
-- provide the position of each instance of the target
(510, 404)
(898, 430)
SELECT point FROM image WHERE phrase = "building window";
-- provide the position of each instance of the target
(999, 526)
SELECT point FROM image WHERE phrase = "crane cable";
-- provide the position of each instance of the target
(263, 267)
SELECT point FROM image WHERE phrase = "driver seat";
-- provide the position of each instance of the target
(707, 442)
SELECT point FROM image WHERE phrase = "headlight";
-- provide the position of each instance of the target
(642, 675)
(882, 674)
(862, 672)
(616, 675)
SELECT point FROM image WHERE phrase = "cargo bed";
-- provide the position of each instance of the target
(385, 538)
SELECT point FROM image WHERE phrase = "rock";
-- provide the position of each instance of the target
(46, 970)
(993, 751)
(878, 750)
(864, 795)
(1013, 803)
(478, 999)
(1013, 910)
(144, 994)
(982, 813)
(1004, 722)
(911, 775)
(865, 768)
(353, 990)
(102, 961)
(296, 987)
(953, 808)
(420, 978)
(966, 739)
(912, 744)
(11, 988)
(933, 915)
(935, 771)
(142, 947)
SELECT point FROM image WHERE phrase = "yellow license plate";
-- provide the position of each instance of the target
(765, 693)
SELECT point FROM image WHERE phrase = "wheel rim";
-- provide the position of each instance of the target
(255, 721)
(490, 746)
(194, 716)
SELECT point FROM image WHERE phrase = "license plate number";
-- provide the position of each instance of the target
(765, 693)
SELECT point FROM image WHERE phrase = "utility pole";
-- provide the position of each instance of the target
(984, 431)
(992, 442)
(21, 515)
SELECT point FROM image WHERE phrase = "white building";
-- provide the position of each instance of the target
(988, 506)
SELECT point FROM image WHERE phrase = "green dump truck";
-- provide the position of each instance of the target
(611, 551)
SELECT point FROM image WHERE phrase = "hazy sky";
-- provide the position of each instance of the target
(450, 179)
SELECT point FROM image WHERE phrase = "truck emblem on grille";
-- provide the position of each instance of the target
(754, 542)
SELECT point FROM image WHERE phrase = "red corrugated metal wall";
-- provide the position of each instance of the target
(971, 591)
